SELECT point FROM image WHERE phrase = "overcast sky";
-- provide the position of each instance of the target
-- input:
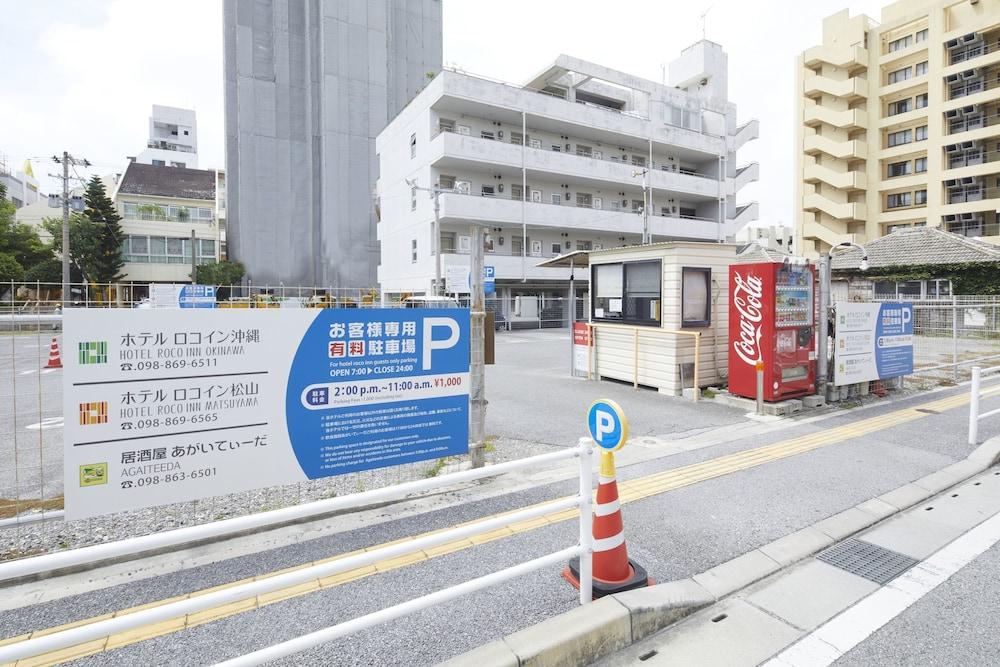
(81, 75)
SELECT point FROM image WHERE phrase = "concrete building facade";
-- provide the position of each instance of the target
(173, 138)
(569, 161)
(899, 124)
(22, 186)
(160, 207)
(308, 87)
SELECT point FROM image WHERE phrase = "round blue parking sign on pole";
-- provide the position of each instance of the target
(607, 424)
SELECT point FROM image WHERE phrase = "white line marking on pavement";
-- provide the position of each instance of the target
(45, 424)
(830, 641)
(28, 372)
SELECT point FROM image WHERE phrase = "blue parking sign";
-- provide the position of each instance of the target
(607, 424)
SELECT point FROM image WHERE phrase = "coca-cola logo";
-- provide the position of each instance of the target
(746, 295)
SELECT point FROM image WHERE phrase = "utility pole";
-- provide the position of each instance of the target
(477, 398)
(435, 192)
(66, 161)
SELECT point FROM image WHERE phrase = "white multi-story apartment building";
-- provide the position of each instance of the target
(173, 138)
(22, 187)
(564, 162)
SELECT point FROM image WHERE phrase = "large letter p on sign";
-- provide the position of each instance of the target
(430, 344)
(605, 425)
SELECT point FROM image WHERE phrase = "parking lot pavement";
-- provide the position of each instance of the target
(532, 396)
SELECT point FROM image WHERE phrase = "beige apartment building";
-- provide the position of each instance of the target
(899, 124)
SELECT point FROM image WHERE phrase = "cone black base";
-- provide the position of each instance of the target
(638, 579)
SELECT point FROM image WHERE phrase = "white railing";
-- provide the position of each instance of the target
(974, 414)
(92, 631)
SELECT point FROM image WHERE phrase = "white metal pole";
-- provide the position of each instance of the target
(27, 567)
(586, 520)
(822, 342)
(313, 639)
(759, 367)
(66, 299)
(524, 198)
(92, 631)
(974, 406)
(438, 287)
(572, 321)
(954, 336)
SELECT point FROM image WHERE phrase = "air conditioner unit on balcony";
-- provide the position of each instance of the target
(952, 78)
(968, 217)
(952, 113)
(968, 144)
(971, 37)
(953, 148)
(951, 43)
(950, 183)
(968, 180)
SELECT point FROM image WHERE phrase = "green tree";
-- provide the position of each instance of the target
(108, 236)
(223, 274)
(17, 239)
(83, 243)
(10, 269)
(50, 271)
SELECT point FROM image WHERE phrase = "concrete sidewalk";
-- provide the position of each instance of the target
(751, 608)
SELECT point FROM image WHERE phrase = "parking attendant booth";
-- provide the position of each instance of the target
(659, 315)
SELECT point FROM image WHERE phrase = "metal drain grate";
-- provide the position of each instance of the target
(867, 560)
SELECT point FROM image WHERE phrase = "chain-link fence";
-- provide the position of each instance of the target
(952, 334)
(31, 419)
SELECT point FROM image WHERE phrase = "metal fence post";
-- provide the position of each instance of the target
(974, 406)
(954, 336)
(586, 520)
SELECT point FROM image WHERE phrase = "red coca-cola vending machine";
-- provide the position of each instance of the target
(771, 312)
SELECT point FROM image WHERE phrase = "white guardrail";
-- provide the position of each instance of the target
(89, 555)
(974, 414)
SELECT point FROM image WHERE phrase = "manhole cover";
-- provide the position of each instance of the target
(867, 560)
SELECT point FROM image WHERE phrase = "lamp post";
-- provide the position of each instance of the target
(825, 279)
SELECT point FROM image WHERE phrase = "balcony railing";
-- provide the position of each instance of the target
(167, 146)
(573, 204)
(973, 229)
(151, 216)
(969, 159)
(968, 53)
(988, 81)
(581, 153)
(623, 112)
(975, 192)
(984, 119)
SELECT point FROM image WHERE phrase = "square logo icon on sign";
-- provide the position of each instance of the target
(93, 474)
(94, 352)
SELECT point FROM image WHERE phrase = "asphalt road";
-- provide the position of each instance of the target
(30, 418)
(674, 534)
(955, 624)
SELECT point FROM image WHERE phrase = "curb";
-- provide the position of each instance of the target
(587, 633)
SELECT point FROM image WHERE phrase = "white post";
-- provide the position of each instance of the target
(954, 337)
(974, 406)
(586, 520)
(759, 366)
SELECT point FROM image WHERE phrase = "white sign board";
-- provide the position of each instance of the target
(163, 407)
(182, 296)
(874, 341)
(456, 279)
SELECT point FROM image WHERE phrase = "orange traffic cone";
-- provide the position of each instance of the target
(55, 361)
(614, 571)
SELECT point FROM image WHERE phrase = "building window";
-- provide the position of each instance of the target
(159, 163)
(464, 130)
(556, 248)
(517, 138)
(447, 242)
(899, 75)
(921, 35)
(696, 301)
(413, 198)
(895, 169)
(898, 200)
(413, 251)
(598, 202)
(900, 138)
(534, 143)
(920, 197)
(413, 146)
(920, 165)
(584, 245)
(900, 44)
(488, 190)
(920, 69)
(130, 210)
(902, 106)
(487, 135)
(516, 192)
(639, 160)
(166, 250)
(681, 117)
(921, 133)
(446, 182)
(921, 100)
(628, 292)
(556, 198)
(446, 125)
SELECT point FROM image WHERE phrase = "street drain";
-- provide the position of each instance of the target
(867, 560)
(720, 617)
(927, 411)
(646, 656)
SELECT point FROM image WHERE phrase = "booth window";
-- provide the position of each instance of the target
(627, 292)
(696, 297)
